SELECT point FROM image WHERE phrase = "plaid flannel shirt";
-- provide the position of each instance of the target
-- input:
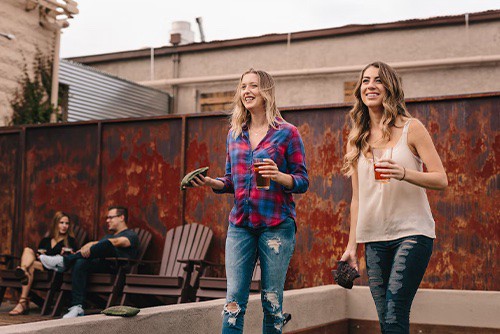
(260, 208)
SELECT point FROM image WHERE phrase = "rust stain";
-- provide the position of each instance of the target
(140, 168)
(9, 153)
(60, 175)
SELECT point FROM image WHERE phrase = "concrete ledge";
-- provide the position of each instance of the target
(436, 307)
(311, 307)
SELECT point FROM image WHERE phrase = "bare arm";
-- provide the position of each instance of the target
(420, 140)
(350, 254)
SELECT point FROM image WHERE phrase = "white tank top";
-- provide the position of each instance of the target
(396, 209)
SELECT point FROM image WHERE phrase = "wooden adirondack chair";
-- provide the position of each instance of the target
(215, 287)
(185, 247)
(105, 284)
(46, 281)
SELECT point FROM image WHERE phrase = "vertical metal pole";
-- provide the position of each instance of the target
(152, 73)
(183, 168)
(55, 78)
(175, 88)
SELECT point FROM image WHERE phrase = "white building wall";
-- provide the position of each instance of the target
(19, 52)
(391, 46)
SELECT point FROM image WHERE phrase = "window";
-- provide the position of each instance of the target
(349, 91)
(219, 101)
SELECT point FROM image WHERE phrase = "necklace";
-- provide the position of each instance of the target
(259, 132)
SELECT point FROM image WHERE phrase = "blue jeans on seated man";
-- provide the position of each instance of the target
(395, 269)
(82, 266)
(274, 247)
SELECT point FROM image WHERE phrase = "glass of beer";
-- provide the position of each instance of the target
(262, 182)
(380, 153)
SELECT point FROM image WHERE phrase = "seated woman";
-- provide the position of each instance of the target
(60, 240)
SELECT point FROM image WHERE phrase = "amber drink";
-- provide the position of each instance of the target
(262, 182)
(380, 154)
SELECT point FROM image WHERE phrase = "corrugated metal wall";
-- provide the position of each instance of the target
(83, 168)
(96, 95)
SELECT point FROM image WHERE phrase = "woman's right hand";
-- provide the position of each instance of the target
(350, 257)
(200, 180)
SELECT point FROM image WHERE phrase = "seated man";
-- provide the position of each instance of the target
(121, 242)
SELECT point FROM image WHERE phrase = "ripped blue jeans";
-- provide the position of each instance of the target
(274, 247)
(395, 269)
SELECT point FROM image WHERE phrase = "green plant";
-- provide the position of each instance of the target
(31, 103)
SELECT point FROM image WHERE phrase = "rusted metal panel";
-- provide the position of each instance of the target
(466, 133)
(323, 211)
(9, 189)
(141, 170)
(139, 163)
(206, 146)
(60, 174)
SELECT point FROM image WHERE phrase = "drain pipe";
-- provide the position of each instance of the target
(175, 40)
(54, 92)
(433, 63)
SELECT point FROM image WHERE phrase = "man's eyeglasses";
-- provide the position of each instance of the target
(111, 217)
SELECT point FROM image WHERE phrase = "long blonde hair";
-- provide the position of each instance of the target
(54, 231)
(240, 115)
(393, 103)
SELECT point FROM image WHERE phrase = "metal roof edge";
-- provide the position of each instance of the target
(477, 17)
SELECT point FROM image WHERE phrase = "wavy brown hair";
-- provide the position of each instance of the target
(54, 231)
(393, 103)
(240, 115)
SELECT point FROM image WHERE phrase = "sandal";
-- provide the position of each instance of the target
(22, 274)
(22, 307)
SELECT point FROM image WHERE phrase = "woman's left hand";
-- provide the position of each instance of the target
(390, 169)
(269, 170)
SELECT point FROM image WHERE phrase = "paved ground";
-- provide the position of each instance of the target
(6, 319)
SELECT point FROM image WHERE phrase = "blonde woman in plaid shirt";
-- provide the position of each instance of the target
(262, 222)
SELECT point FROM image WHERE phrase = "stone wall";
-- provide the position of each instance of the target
(21, 51)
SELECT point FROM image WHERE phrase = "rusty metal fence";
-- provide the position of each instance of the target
(83, 168)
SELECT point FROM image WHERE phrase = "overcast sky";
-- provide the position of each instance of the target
(104, 26)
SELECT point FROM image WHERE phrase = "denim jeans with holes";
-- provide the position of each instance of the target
(274, 247)
(395, 269)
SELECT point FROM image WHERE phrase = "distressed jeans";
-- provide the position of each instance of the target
(274, 247)
(395, 269)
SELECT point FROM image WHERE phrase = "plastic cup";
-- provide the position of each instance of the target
(262, 182)
(380, 153)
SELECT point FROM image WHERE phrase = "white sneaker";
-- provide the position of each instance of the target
(55, 262)
(74, 311)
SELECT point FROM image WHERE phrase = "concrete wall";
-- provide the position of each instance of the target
(310, 307)
(21, 51)
(392, 46)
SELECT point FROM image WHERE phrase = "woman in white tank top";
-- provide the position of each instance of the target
(393, 219)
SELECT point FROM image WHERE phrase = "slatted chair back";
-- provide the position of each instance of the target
(144, 241)
(80, 235)
(186, 246)
(215, 287)
(189, 241)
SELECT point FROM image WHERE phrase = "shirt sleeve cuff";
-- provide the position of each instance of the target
(224, 189)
